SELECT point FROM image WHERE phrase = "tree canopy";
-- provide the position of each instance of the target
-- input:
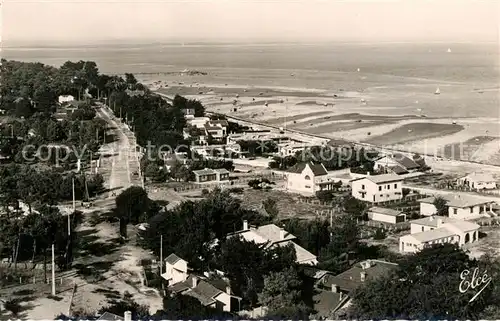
(426, 286)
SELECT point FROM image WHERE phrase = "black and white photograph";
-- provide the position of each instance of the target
(249, 160)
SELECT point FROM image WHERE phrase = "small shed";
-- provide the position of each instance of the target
(386, 215)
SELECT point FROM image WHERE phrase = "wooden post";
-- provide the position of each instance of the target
(53, 271)
(161, 254)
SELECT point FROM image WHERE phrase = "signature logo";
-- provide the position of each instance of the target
(473, 281)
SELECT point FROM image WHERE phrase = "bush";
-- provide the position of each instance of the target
(380, 234)
(205, 192)
(236, 190)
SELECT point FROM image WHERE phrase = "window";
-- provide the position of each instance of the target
(455, 211)
(380, 188)
(388, 186)
(362, 186)
(307, 177)
(422, 228)
(308, 186)
(472, 210)
(395, 185)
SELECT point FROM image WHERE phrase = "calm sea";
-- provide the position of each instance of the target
(395, 68)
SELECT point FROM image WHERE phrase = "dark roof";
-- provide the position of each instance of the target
(327, 302)
(317, 169)
(398, 170)
(351, 279)
(340, 143)
(172, 258)
(106, 316)
(220, 122)
(407, 162)
(314, 272)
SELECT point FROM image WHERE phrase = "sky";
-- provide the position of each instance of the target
(94, 21)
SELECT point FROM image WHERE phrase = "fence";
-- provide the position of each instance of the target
(392, 228)
(210, 185)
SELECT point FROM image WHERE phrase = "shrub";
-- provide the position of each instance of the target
(380, 234)
(236, 190)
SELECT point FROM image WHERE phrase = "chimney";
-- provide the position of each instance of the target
(245, 225)
(195, 281)
(439, 221)
(340, 296)
(334, 288)
(367, 173)
(363, 276)
(127, 316)
(431, 218)
(282, 233)
(228, 290)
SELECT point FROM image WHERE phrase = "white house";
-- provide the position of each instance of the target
(272, 236)
(478, 181)
(217, 132)
(387, 215)
(308, 178)
(396, 163)
(65, 99)
(211, 292)
(437, 230)
(290, 149)
(377, 188)
(176, 269)
(198, 122)
(460, 206)
(211, 175)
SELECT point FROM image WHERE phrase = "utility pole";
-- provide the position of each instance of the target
(161, 254)
(97, 134)
(90, 163)
(120, 113)
(73, 189)
(53, 271)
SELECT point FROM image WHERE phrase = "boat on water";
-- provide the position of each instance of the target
(449, 50)
(437, 92)
(359, 69)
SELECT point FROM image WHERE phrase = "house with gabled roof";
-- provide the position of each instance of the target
(335, 291)
(460, 206)
(438, 230)
(377, 188)
(176, 269)
(271, 236)
(396, 163)
(308, 178)
(214, 293)
(478, 181)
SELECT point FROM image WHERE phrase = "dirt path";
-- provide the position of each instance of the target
(104, 267)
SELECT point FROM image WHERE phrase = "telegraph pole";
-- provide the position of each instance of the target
(53, 271)
(73, 189)
(90, 163)
(161, 254)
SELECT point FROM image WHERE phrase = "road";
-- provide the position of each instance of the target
(123, 159)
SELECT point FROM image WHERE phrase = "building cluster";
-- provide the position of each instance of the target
(332, 292)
